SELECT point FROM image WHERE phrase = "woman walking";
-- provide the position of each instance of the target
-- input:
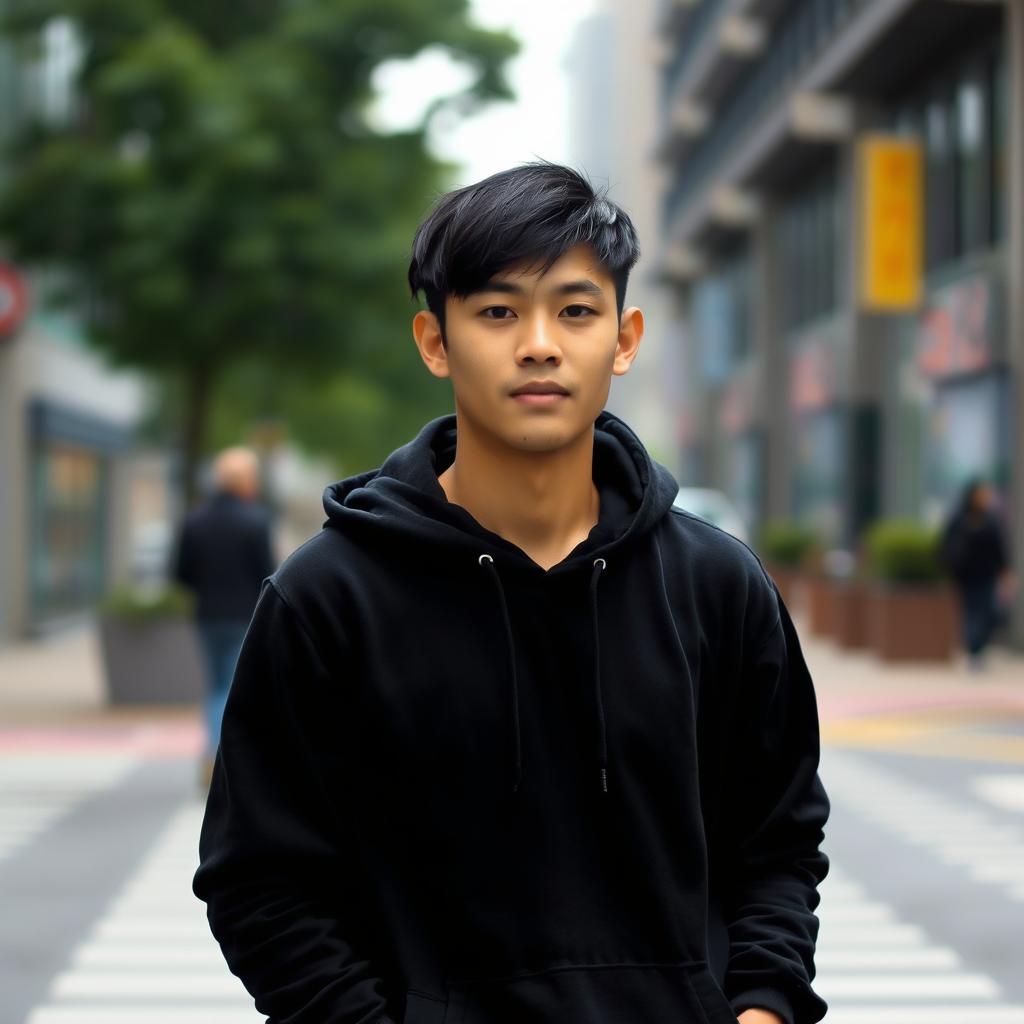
(975, 552)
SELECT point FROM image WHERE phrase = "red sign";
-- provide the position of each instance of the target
(13, 299)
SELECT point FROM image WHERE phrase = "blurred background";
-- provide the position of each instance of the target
(205, 219)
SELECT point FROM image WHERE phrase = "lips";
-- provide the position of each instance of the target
(541, 388)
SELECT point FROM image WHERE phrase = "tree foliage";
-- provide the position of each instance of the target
(219, 194)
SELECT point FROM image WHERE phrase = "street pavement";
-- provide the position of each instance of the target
(922, 913)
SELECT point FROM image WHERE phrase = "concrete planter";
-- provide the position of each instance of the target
(912, 623)
(151, 662)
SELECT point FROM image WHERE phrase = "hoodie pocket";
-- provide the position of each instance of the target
(423, 1009)
(712, 999)
(675, 993)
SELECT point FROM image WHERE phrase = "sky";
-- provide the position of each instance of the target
(534, 125)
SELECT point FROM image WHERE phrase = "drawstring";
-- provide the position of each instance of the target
(599, 565)
(487, 560)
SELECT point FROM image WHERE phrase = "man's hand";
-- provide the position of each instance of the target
(756, 1016)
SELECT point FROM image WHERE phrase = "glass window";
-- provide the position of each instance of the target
(1000, 153)
(68, 544)
(939, 180)
(972, 177)
(808, 238)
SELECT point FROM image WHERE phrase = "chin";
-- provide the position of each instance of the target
(541, 437)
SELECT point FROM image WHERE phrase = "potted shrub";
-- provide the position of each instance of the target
(911, 611)
(150, 649)
(786, 546)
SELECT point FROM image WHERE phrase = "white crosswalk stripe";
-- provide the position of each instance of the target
(151, 959)
(1004, 791)
(38, 789)
(959, 833)
(873, 968)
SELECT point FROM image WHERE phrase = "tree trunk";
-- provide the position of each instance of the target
(198, 394)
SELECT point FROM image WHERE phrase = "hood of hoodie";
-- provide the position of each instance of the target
(404, 499)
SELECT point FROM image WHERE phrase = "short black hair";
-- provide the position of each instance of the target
(531, 213)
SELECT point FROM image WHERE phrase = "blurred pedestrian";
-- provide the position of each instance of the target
(224, 553)
(974, 550)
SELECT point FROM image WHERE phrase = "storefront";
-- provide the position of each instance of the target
(818, 429)
(71, 457)
(66, 456)
(954, 394)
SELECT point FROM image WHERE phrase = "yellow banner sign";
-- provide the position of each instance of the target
(891, 203)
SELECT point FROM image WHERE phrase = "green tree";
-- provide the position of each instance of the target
(219, 194)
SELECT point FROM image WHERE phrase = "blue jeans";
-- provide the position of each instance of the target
(980, 612)
(221, 641)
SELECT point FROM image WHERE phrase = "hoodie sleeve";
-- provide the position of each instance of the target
(272, 850)
(775, 807)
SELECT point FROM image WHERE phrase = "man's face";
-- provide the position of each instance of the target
(526, 328)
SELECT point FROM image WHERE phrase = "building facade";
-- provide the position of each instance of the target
(69, 474)
(801, 399)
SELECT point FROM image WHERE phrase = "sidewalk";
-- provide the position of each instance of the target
(854, 683)
(52, 695)
(58, 682)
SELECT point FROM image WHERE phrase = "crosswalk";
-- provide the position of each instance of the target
(37, 790)
(150, 958)
(876, 968)
(987, 846)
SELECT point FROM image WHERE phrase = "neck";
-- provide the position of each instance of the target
(544, 502)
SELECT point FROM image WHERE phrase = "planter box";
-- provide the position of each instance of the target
(822, 596)
(852, 614)
(156, 662)
(912, 623)
(788, 581)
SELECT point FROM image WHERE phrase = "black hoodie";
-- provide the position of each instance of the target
(455, 788)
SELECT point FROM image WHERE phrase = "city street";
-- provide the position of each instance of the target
(921, 913)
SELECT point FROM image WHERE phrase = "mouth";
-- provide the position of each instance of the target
(545, 398)
(540, 393)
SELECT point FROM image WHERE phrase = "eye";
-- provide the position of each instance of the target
(497, 313)
(577, 312)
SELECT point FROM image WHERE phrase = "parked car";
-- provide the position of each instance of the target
(714, 506)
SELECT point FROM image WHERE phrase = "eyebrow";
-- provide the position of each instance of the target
(584, 285)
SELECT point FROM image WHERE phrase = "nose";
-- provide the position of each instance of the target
(538, 343)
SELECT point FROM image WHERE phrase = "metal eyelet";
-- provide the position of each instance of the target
(604, 564)
(480, 560)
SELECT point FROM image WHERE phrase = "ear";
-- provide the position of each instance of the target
(631, 330)
(426, 331)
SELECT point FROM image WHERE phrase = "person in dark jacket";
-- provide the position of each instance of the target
(511, 738)
(975, 552)
(224, 553)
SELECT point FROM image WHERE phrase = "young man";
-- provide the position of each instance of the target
(512, 739)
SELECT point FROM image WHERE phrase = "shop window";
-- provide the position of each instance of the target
(69, 499)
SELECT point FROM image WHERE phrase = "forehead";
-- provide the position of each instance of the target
(578, 263)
